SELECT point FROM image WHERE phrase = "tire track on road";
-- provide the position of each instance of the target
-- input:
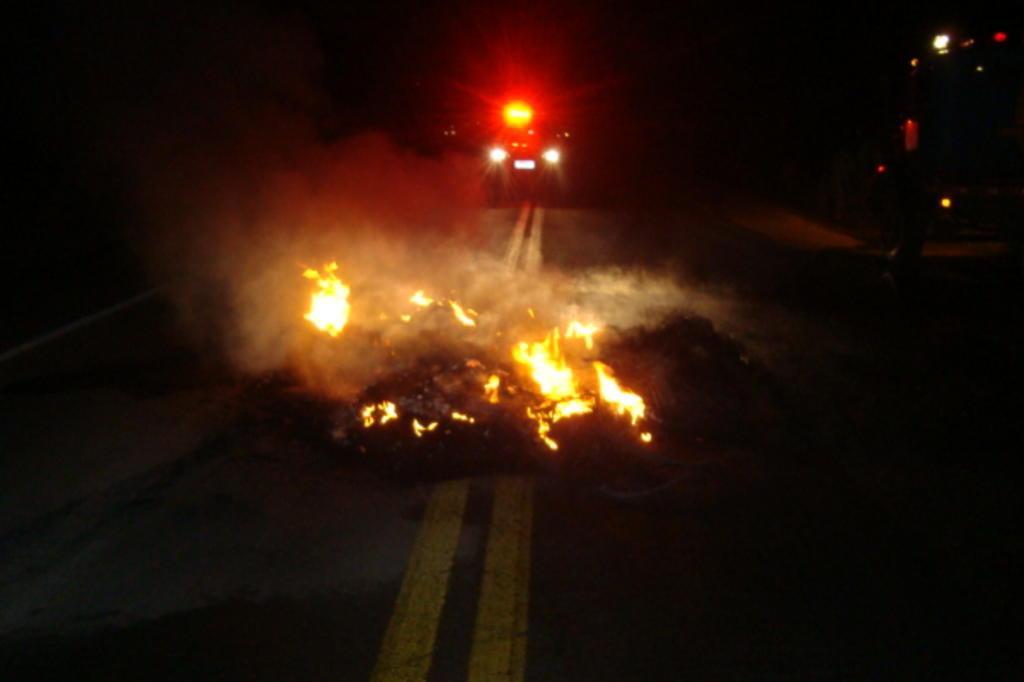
(534, 248)
(515, 244)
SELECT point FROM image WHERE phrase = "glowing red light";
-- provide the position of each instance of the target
(518, 114)
(999, 37)
(910, 135)
(881, 168)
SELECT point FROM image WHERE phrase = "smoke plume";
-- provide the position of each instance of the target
(241, 189)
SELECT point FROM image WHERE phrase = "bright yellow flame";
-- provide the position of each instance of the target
(553, 376)
(547, 366)
(381, 413)
(419, 429)
(578, 330)
(460, 417)
(491, 388)
(571, 408)
(646, 437)
(623, 401)
(367, 414)
(328, 308)
(421, 299)
(390, 412)
(518, 113)
(461, 316)
(543, 427)
(946, 202)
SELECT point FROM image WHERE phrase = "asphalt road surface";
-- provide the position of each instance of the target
(843, 502)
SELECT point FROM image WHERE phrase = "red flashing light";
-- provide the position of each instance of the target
(910, 135)
(999, 37)
(518, 114)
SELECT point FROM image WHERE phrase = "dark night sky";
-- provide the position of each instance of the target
(662, 68)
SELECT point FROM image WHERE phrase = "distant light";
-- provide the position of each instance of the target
(910, 135)
(967, 42)
(979, 68)
(946, 202)
(566, 133)
(881, 168)
(530, 131)
(914, 62)
(941, 42)
(518, 114)
(498, 154)
(552, 155)
(999, 37)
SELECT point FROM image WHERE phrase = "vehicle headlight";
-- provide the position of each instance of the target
(498, 154)
(552, 155)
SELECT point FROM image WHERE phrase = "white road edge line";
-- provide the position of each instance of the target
(78, 324)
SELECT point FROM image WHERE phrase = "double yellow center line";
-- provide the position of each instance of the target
(499, 637)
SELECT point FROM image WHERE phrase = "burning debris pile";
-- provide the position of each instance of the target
(548, 375)
(606, 382)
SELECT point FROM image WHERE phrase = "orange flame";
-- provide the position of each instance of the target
(623, 401)
(491, 388)
(578, 330)
(329, 308)
(421, 299)
(555, 379)
(462, 315)
(547, 366)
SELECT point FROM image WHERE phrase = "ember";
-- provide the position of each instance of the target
(381, 413)
(461, 315)
(491, 388)
(419, 429)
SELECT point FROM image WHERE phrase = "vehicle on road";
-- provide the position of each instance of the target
(954, 169)
(525, 158)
